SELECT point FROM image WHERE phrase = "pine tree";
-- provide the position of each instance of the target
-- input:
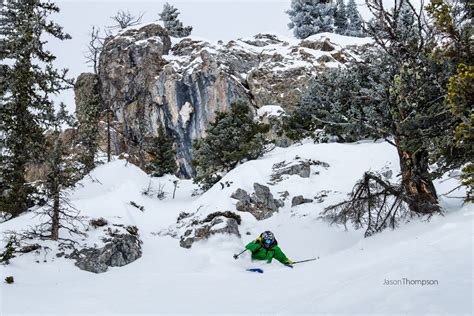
(175, 27)
(406, 27)
(233, 137)
(356, 24)
(340, 17)
(63, 174)
(29, 79)
(310, 17)
(453, 22)
(339, 94)
(89, 107)
(164, 161)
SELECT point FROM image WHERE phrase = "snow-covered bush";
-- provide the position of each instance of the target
(175, 27)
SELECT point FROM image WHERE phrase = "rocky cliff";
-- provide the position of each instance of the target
(148, 79)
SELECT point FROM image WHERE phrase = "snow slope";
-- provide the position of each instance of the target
(348, 278)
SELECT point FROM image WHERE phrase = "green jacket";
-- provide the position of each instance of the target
(261, 253)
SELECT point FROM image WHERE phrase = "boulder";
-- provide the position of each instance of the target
(215, 223)
(299, 199)
(241, 195)
(302, 169)
(117, 252)
(261, 204)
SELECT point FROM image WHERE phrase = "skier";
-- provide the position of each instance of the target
(265, 247)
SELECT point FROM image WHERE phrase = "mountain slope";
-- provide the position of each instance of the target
(348, 278)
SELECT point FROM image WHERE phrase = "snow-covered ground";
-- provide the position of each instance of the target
(347, 279)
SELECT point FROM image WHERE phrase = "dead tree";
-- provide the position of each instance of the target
(94, 48)
(374, 204)
(124, 19)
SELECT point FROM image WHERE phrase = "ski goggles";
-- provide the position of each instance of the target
(268, 241)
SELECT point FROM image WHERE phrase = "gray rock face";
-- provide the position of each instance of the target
(241, 195)
(215, 223)
(85, 88)
(121, 250)
(146, 83)
(261, 204)
(299, 199)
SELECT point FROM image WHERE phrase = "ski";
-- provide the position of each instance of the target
(258, 270)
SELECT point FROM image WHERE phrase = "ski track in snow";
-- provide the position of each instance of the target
(348, 277)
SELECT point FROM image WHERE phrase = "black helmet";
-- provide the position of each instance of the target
(268, 239)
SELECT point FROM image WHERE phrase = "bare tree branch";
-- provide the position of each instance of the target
(125, 19)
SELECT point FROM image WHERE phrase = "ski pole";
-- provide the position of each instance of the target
(236, 256)
(312, 259)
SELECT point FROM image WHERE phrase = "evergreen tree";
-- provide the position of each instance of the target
(175, 27)
(406, 23)
(310, 17)
(340, 17)
(345, 102)
(89, 107)
(453, 23)
(233, 137)
(162, 149)
(396, 94)
(356, 24)
(28, 81)
(63, 174)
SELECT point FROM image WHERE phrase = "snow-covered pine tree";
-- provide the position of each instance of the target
(404, 104)
(310, 17)
(164, 161)
(175, 27)
(453, 22)
(406, 23)
(63, 173)
(356, 24)
(28, 80)
(340, 17)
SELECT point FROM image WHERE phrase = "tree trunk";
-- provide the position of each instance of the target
(108, 136)
(55, 218)
(416, 181)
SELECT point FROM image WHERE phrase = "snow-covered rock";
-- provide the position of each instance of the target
(212, 224)
(260, 204)
(148, 80)
(120, 250)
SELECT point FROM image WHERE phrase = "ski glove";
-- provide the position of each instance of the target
(290, 262)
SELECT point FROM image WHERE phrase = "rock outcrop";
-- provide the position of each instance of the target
(86, 88)
(120, 250)
(299, 167)
(146, 81)
(215, 223)
(260, 204)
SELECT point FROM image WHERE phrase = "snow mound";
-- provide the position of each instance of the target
(270, 110)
